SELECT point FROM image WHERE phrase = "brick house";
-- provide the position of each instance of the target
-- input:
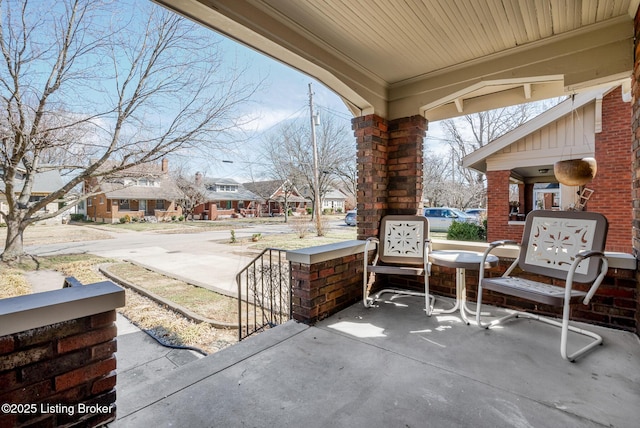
(143, 191)
(225, 198)
(276, 194)
(523, 159)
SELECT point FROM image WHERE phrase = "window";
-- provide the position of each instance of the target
(546, 196)
(124, 204)
(160, 204)
(227, 188)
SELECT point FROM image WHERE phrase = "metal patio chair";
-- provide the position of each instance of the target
(560, 245)
(402, 249)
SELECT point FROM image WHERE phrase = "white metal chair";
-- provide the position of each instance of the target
(564, 245)
(402, 249)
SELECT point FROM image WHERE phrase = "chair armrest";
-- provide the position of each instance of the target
(603, 271)
(491, 247)
(502, 242)
(589, 253)
(368, 242)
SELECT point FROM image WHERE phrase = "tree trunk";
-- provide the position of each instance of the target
(14, 247)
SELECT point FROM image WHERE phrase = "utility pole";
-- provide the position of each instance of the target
(316, 177)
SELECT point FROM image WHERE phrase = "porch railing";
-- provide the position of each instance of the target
(264, 293)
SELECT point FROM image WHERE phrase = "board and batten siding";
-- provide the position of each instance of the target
(556, 141)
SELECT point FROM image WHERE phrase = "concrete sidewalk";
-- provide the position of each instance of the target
(141, 359)
(214, 269)
(393, 367)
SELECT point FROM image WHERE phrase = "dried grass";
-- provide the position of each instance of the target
(12, 282)
(172, 328)
(206, 303)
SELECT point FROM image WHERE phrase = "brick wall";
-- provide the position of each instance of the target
(322, 289)
(612, 183)
(69, 364)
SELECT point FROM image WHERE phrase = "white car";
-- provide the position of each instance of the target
(441, 218)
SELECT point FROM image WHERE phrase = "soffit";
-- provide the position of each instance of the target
(437, 58)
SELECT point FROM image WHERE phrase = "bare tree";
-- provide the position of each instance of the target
(289, 153)
(446, 181)
(89, 95)
(193, 193)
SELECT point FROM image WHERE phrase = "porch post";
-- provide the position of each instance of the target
(406, 139)
(390, 156)
(497, 204)
(372, 139)
(635, 136)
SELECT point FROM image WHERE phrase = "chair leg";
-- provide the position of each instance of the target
(366, 287)
(565, 329)
(564, 326)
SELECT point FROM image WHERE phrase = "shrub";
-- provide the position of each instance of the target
(339, 210)
(135, 219)
(181, 218)
(466, 232)
(233, 236)
(173, 218)
(309, 210)
(301, 226)
(256, 237)
(77, 217)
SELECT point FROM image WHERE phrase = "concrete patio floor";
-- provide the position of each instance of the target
(391, 366)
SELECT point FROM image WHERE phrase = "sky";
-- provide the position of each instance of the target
(284, 95)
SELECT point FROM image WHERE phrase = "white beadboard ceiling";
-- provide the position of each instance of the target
(438, 58)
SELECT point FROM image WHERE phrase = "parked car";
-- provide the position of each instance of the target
(480, 213)
(441, 218)
(350, 218)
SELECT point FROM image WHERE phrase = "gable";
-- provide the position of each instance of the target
(568, 137)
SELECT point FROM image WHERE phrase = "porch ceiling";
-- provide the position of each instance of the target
(436, 58)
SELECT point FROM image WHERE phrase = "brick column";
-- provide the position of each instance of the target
(497, 204)
(69, 364)
(406, 138)
(389, 168)
(612, 183)
(635, 128)
(372, 138)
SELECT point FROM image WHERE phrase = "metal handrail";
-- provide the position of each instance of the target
(264, 292)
